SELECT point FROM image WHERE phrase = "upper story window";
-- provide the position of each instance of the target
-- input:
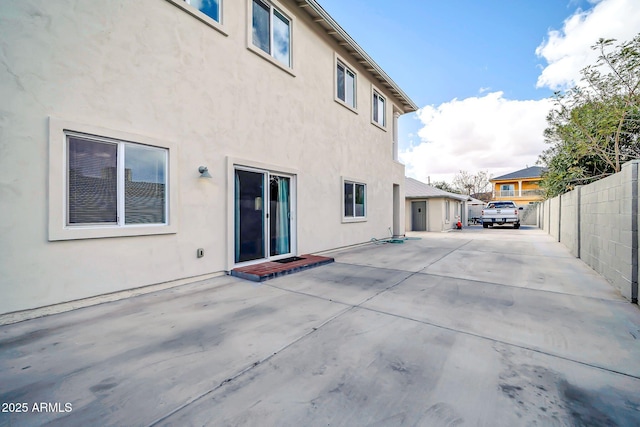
(207, 11)
(211, 8)
(507, 190)
(345, 85)
(379, 113)
(271, 31)
(117, 183)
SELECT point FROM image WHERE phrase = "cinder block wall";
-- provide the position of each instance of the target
(599, 223)
(529, 215)
(606, 234)
(545, 215)
(554, 217)
(569, 221)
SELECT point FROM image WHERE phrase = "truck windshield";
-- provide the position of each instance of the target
(499, 205)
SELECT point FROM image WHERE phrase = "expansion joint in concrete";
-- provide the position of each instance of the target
(248, 368)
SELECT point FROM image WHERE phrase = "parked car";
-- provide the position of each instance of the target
(500, 213)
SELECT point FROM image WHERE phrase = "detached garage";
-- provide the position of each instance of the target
(428, 208)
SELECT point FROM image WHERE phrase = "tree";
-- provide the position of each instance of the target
(468, 183)
(594, 126)
(445, 186)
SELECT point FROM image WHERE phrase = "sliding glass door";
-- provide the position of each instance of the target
(279, 215)
(249, 215)
(262, 220)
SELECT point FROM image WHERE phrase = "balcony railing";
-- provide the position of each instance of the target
(516, 194)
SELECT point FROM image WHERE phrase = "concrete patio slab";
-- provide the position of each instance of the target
(342, 282)
(361, 370)
(420, 333)
(557, 274)
(587, 330)
(501, 243)
(533, 261)
(399, 256)
(132, 361)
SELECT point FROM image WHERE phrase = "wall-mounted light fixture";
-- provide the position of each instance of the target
(204, 172)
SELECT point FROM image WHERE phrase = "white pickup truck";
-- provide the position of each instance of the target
(500, 213)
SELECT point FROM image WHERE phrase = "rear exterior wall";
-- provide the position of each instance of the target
(147, 68)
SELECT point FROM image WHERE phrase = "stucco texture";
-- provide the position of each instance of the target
(148, 68)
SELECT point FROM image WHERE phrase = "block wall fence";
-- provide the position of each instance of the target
(599, 224)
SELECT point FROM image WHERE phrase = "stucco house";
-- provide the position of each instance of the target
(522, 186)
(431, 209)
(159, 142)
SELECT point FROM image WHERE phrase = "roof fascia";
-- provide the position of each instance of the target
(408, 105)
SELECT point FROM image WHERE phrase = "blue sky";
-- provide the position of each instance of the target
(480, 70)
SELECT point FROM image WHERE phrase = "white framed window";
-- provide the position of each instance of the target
(208, 11)
(379, 109)
(271, 31)
(346, 85)
(447, 210)
(211, 8)
(355, 200)
(507, 190)
(105, 183)
(112, 182)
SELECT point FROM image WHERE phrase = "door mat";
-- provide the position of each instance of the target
(288, 260)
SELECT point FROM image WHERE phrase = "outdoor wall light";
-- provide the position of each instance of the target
(204, 172)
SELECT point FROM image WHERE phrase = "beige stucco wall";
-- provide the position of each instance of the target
(147, 68)
(455, 211)
(436, 213)
(408, 221)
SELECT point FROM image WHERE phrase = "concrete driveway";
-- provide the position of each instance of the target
(495, 327)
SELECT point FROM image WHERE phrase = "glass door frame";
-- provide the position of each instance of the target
(266, 238)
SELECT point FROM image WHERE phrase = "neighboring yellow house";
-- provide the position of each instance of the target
(521, 186)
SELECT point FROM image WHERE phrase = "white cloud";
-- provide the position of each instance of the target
(499, 135)
(481, 133)
(568, 50)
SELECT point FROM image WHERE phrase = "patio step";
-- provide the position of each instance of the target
(272, 269)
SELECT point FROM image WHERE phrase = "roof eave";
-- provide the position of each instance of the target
(345, 40)
(515, 178)
(439, 196)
